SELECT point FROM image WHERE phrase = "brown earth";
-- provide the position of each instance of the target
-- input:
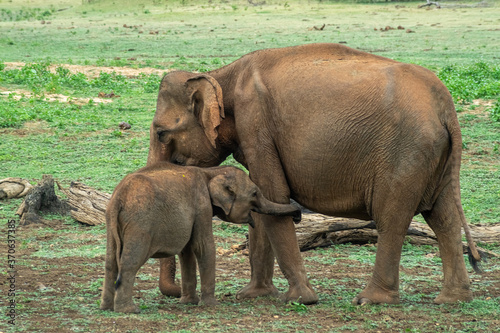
(63, 294)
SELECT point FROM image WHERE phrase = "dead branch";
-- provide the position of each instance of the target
(261, 3)
(430, 3)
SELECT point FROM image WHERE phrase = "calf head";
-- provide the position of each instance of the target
(236, 196)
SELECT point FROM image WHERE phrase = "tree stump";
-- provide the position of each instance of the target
(42, 198)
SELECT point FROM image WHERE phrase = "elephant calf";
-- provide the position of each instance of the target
(165, 209)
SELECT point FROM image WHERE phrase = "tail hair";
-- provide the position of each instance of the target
(118, 282)
(476, 265)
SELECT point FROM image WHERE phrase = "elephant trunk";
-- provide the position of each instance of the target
(267, 207)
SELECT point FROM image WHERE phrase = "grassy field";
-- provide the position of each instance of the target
(58, 56)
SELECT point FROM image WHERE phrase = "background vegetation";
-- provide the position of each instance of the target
(65, 48)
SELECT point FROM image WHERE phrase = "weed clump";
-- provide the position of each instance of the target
(495, 111)
(26, 14)
(469, 82)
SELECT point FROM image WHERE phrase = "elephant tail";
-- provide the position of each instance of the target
(112, 212)
(455, 161)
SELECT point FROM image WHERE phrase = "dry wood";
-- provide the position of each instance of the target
(13, 187)
(430, 3)
(87, 204)
(315, 230)
(319, 28)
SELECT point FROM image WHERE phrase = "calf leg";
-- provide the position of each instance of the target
(188, 273)
(205, 255)
(110, 273)
(134, 255)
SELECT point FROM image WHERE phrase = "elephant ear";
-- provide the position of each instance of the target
(207, 101)
(221, 189)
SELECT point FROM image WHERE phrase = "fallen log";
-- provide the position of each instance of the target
(87, 204)
(315, 230)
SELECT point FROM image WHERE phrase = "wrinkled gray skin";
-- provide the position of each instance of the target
(344, 133)
(166, 209)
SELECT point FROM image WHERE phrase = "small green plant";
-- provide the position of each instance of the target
(296, 307)
(468, 82)
(495, 111)
(117, 133)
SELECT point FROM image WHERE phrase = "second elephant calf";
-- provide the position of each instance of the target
(166, 209)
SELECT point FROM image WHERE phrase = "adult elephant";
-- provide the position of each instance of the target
(344, 133)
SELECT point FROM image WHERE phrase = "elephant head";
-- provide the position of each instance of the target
(236, 195)
(185, 127)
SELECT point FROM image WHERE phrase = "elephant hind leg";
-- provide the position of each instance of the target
(110, 275)
(445, 221)
(132, 258)
(393, 215)
(383, 287)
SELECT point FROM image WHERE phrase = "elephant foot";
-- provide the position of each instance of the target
(376, 296)
(170, 289)
(454, 295)
(209, 301)
(252, 291)
(190, 300)
(107, 304)
(127, 308)
(302, 294)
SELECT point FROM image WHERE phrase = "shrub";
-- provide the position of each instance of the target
(468, 82)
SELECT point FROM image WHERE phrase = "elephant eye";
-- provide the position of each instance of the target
(254, 194)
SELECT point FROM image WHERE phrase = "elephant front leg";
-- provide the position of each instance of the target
(261, 263)
(206, 264)
(281, 232)
(188, 273)
(272, 234)
(277, 235)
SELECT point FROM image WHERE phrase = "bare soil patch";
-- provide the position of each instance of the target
(21, 93)
(94, 71)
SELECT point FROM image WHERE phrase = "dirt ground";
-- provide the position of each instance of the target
(48, 284)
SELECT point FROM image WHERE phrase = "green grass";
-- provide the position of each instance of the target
(218, 33)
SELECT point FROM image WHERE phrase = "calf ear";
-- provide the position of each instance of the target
(222, 193)
(207, 101)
